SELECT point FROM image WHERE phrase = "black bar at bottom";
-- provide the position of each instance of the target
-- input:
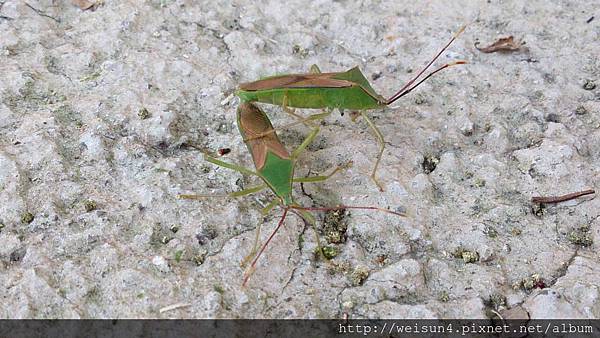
(299, 328)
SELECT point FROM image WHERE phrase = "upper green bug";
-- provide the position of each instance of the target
(339, 90)
(347, 90)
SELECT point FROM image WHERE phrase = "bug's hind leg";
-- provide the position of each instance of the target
(381, 142)
(310, 219)
(314, 69)
(255, 247)
(256, 244)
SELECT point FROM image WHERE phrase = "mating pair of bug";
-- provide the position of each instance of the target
(273, 162)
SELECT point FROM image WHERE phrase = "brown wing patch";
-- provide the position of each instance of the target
(259, 134)
(296, 81)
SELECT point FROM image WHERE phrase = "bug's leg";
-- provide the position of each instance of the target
(252, 267)
(321, 178)
(264, 211)
(244, 192)
(305, 143)
(256, 244)
(381, 148)
(235, 167)
(310, 219)
(233, 194)
(314, 69)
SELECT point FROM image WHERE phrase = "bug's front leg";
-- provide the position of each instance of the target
(321, 178)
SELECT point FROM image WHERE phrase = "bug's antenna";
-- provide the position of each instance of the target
(408, 90)
(342, 207)
(400, 93)
(264, 246)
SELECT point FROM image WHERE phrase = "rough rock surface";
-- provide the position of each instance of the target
(100, 108)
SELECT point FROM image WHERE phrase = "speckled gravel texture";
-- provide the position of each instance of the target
(102, 113)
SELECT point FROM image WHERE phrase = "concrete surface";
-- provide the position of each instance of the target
(99, 107)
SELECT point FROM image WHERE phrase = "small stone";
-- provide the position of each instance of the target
(444, 297)
(490, 231)
(430, 163)
(161, 263)
(335, 226)
(17, 255)
(213, 301)
(552, 118)
(497, 300)
(420, 99)
(89, 205)
(199, 259)
(470, 256)
(466, 127)
(26, 217)
(206, 234)
(298, 50)
(580, 238)
(479, 182)
(589, 85)
(223, 128)
(143, 113)
(529, 283)
(359, 275)
(467, 256)
(580, 110)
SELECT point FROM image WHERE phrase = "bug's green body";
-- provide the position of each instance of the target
(341, 90)
(345, 90)
(273, 163)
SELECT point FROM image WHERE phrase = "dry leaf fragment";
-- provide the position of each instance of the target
(84, 4)
(507, 44)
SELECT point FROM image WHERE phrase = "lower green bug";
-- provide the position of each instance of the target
(275, 167)
(339, 90)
